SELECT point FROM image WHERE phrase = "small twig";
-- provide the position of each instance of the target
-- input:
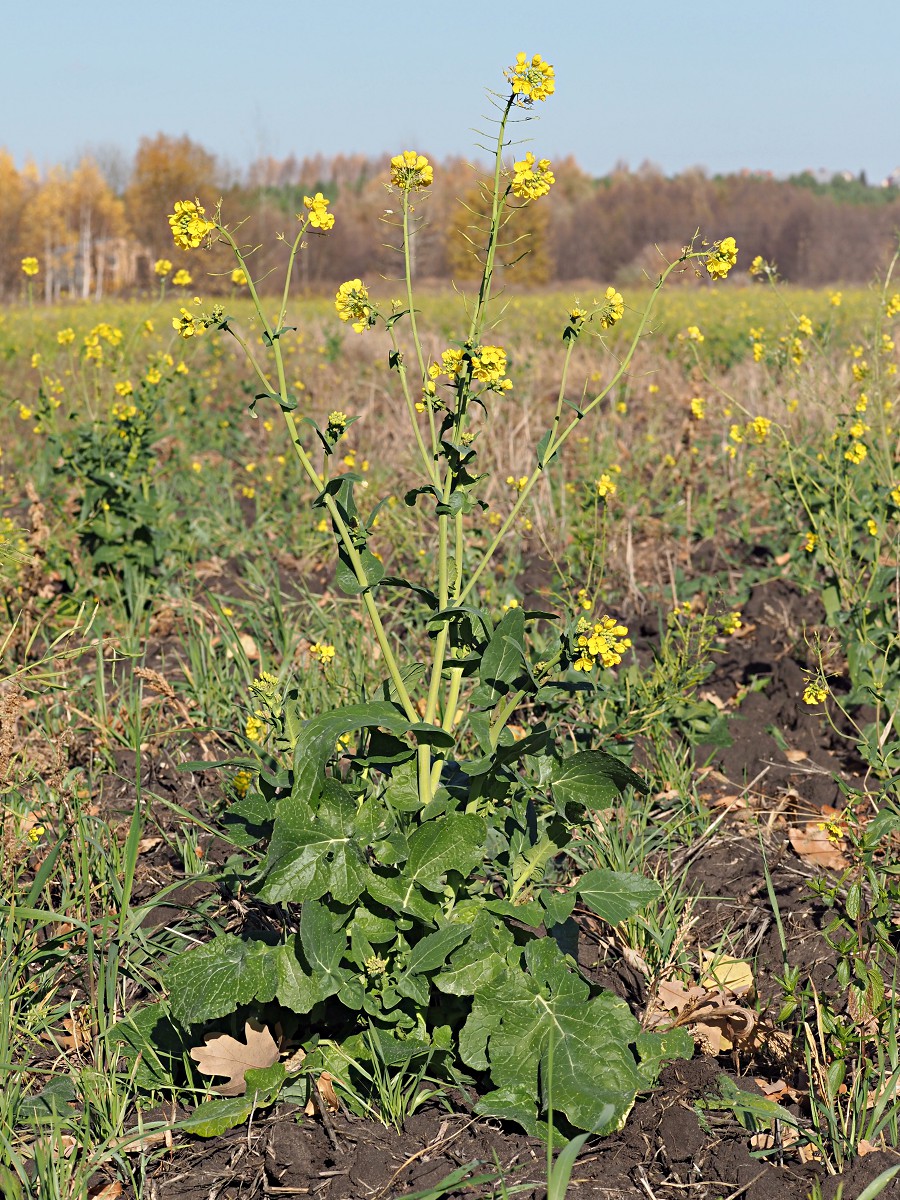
(323, 1113)
(439, 1144)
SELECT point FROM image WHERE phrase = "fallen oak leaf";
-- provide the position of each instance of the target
(224, 1055)
(813, 844)
(731, 974)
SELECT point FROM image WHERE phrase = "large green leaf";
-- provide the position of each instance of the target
(215, 1117)
(312, 853)
(616, 895)
(540, 1030)
(214, 979)
(592, 778)
(309, 968)
(454, 842)
(503, 660)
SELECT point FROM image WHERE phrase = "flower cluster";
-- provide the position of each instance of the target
(162, 267)
(188, 324)
(698, 408)
(336, 427)
(613, 310)
(319, 216)
(721, 258)
(604, 641)
(531, 80)
(189, 224)
(606, 486)
(815, 691)
(182, 278)
(267, 691)
(30, 266)
(239, 277)
(411, 172)
(489, 367)
(532, 178)
(352, 304)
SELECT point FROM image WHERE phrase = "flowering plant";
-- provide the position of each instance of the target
(410, 838)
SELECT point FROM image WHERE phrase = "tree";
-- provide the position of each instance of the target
(167, 169)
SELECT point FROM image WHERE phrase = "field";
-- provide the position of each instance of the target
(418, 785)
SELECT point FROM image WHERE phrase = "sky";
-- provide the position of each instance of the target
(777, 85)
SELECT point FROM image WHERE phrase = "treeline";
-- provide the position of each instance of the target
(94, 232)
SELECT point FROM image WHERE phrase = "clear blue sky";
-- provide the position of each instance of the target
(776, 84)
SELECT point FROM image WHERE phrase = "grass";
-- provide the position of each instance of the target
(110, 670)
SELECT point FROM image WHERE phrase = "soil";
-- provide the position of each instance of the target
(675, 1143)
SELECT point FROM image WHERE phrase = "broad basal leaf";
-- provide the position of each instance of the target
(214, 979)
(454, 842)
(540, 1030)
(216, 1117)
(616, 895)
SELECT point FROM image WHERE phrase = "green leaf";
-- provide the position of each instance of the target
(345, 576)
(542, 1029)
(616, 895)
(654, 1049)
(454, 842)
(592, 778)
(312, 853)
(309, 968)
(214, 979)
(504, 658)
(402, 793)
(542, 445)
(215, 1117)
(431, 951)
(55, 1097)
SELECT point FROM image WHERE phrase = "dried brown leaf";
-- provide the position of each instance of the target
(221, 1054)
(811, 843)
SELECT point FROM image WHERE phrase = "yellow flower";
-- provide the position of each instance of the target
(189, 225)
(453, 363)
(758, 429)
(324, 654)
(124, 388)
(835, 298)
(893, 305)
(411, 171)
(532, 179)
(606, 486)
(162, 267)
(352, 304)
(731, 623)
(489, 366)
(860, 370)
(758, 266)
(698, 408)
(895, 495)
(721, 258)
(605, 640)
(123, 412)
(532, 80)
(872, 527)
(759, 351)
(518, 485)
(25, 413)
(810, 541)
(65, 337)
(613, 310)
(693, 334)
(30, 266)
(182, 278)
(319, 216)
(255, 729)
(815, 691)
(35, 361)
(187, 325)
(856, 452)
(153, 376)
(804, 326)
(239, 277)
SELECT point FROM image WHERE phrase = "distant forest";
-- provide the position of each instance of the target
(99, 227)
